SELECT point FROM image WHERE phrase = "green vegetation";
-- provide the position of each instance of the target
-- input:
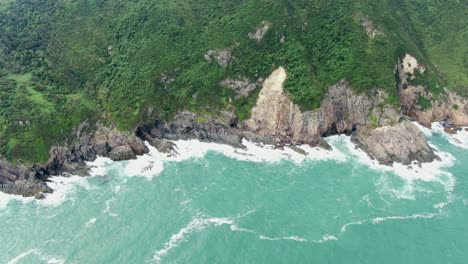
(424, 102)
(374, 121)
(63, 62)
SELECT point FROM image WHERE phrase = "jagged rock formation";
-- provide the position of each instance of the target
(108, 142)
(23, 180)
(448, 107)
(342, 112)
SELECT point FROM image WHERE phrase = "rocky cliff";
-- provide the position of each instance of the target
(109, 142)
(447, 107)
(378, 129)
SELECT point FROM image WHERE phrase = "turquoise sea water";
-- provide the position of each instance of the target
(216, 209)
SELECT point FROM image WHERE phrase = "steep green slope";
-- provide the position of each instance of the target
(129, 62)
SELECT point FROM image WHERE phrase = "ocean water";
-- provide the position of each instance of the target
(214, 204)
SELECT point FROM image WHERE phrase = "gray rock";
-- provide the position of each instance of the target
(122, 153)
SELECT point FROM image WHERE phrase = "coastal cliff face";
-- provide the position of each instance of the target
(380, 131)
(447, 107)
(377, 129)
(108, 142)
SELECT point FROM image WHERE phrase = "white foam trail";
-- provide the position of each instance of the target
(196, 225)
(414, 216)
(344, 228)
(108, 209)
(328, 237)
(40, 255)
(293, 238)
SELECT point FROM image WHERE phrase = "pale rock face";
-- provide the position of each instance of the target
(260, 32)
(272, 104)
(402, 142)
(448, 107)
(410, 65)
(370, 28)
(223, 56)
(242, 86)
(275, 116)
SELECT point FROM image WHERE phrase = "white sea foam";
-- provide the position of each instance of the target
(148, 165)
(6, 198)
(42, 257)
(91, 221)
(459, 139)
(63, 186)
(424, 171)
(254, 152)
(196, 225)
(152, 164)
(344, 228)
(328, 237)
(293, 238)
(377, 220)
(99, 166)
(108, 209)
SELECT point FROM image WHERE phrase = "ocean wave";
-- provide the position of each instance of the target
(63, 186)
(459, 139)
(99, 166)
(152, 164)
(5, 199)
(415, 171)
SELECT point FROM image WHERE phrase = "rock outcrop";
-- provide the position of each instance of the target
(22, 180)
(241, 86)
(402, 142)
(260, 32)
(447, 107)
(378, 130)
(108, 142)
(277, 120)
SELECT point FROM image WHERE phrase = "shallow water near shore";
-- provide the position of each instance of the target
(215, 204)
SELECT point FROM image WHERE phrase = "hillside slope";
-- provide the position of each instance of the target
(132, 62)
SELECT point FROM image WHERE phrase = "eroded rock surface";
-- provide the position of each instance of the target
(108, 142)
(447, 107)
(379, 130)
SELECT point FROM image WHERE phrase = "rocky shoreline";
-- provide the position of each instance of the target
(385, 134)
